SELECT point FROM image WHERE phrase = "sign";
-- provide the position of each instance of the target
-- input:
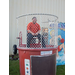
(27, 67)
(46, 52)
(60, 25)
(60, 59)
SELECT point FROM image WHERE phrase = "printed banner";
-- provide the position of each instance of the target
(60, 60)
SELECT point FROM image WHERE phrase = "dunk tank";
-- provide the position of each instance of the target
(36, 59)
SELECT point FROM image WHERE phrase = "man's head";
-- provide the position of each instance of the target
(34, 20)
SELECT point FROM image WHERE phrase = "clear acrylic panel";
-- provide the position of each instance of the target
(47, 38)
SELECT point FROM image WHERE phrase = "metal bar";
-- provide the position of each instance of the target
(26, 31)
(38, 14)
(41, 30)
(17, 31)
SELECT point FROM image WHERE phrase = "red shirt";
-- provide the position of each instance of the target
(33, 27)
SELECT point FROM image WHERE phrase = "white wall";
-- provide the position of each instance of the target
(21, 7)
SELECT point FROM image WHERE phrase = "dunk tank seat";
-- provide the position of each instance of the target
(35, 42)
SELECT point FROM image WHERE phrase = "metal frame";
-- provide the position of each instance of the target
(38, 14)
(55, 19)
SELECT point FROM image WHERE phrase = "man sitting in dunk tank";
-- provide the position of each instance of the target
(60, 43)
(33, 29)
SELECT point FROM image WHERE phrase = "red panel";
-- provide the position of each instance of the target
(25, 53)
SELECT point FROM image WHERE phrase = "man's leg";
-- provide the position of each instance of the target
(57, 53)
(41, 38)
(29, 37)
(62, 46)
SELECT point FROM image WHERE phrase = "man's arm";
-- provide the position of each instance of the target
(59, 36)
(37, 32)
(33, 33)
(28, 29)
(50, 41)
(30, 32)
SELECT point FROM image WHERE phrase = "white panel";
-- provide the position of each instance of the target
(27, 66)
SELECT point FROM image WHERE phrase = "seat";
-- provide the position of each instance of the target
(35, 40)
(35, 43)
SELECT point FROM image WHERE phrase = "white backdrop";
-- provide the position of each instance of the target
(20, 7)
